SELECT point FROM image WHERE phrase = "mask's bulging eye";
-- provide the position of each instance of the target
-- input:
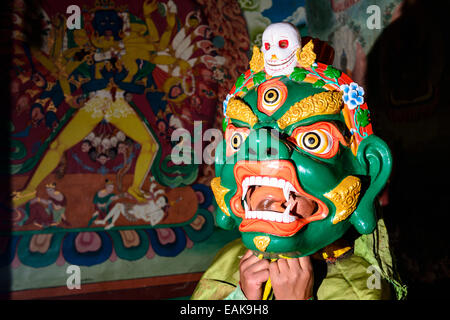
(317, 141)
(236, 141)
(271, 99)
(234, 138)
(311, 140)
(267, 46)
(271, 96)
(283, 44)
(320, 139)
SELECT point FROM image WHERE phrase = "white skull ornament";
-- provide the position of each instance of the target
(280, 42)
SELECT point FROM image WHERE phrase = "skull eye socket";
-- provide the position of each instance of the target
(267, 46)
(283, 44)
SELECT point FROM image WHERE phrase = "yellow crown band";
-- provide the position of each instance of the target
(238, 110)
(329, 102)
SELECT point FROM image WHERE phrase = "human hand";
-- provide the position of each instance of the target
(292, 279)
(253, 273)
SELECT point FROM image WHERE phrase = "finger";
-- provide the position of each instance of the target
(283, 266)
(247, 254)
(273, 269)
(294, 264)
(305, 263)
(258, 266)
(248, 261)
(261, 276)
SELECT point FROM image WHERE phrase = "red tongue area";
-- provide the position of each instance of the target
(264, 198)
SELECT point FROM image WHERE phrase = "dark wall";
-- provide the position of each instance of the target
(408, 81)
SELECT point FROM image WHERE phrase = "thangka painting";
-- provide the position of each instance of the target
(93, 111)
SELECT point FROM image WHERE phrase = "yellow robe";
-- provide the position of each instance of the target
(350, 278)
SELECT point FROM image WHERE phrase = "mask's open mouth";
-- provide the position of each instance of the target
(270, 199)
(278, 202)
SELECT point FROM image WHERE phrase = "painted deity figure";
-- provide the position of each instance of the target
(102, 200)
(298, 172)
(54, 206)
(106, 101)
(152, 211)
(115, 55)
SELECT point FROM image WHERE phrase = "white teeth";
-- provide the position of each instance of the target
(284, 217)
(279, 218)
(246, 209)
(286, 191)
(273, 182)
(266, 181)
(245, 187)
(286, 214)
(286, 186)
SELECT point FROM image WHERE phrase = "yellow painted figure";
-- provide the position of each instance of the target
(141, 41)
(100, 106)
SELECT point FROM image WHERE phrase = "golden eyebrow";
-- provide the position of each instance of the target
(238, 110)
(329, 102)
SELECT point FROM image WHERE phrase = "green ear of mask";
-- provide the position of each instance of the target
(375, 156)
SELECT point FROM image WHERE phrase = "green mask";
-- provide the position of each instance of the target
(299, 164)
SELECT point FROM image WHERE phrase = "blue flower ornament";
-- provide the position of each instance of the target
(353, 95)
